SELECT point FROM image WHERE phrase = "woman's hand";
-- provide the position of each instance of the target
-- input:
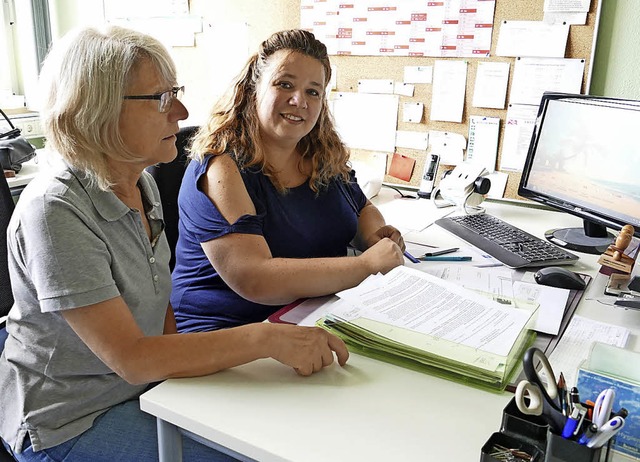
(386, 231)
(383, 256)
(306, 349)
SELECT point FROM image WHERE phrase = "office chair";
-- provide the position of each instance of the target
(6, 297)
(169, 177)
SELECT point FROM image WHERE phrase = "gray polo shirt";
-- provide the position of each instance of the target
(71, 245)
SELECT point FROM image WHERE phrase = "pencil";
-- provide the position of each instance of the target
(562, 393)
(411, 257)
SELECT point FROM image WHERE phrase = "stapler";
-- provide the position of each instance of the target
(634, 285)
(628, 301)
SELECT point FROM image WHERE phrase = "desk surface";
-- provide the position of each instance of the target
(29, 170)
(368, 410)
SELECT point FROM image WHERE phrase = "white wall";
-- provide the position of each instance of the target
(67, 14)
(615, 69)
(232, 30)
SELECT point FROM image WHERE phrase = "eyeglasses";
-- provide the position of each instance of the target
(165, 99)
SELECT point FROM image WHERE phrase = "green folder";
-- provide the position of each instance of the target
(425, 353)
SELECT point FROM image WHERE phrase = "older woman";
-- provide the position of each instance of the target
(91, 326)
(268, 205)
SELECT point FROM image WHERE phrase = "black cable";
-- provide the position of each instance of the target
(14, 132)
(399, 191)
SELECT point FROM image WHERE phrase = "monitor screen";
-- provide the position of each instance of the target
(584, 159)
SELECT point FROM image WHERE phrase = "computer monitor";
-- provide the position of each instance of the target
(584, 159)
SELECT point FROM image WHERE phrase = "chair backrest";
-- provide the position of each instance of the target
(169, 177)
(6, 209)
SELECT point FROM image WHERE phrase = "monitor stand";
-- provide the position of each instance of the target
(592, 238)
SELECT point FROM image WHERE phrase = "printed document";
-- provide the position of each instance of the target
(419, 302)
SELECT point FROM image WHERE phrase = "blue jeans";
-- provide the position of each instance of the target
(123, 433)
(3, 337)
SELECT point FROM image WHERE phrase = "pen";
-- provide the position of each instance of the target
(622, 413)
(574, 398)
(411, 257)
(590, 433)
(602, 408)
(590, 405)
(435, 253)
(444, 258)
(571, 424)
(605, 432)
(562, 384)
(582, 413)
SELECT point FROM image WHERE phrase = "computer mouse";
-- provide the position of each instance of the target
(556, 276)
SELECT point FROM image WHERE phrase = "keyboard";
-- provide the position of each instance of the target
(506, 243)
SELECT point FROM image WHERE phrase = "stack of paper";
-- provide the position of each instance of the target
(419, 321)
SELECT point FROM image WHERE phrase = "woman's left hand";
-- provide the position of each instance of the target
(386, 231)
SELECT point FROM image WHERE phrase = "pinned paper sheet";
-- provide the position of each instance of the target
(412, 112)
(404, 89)
(380, 86)
(498, 184)
(450, 146)
(366, 121)
(518, 128)
(402, 167)
(370, 172)
(532, 39)
(561, 11)
(412, 140)
(575, 19)
(483, 141)
(418, 74)
(490, 89)
(449, 86)
(533, 76)
(334, 78)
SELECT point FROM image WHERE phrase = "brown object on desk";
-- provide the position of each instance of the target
(622, 241)
(614, 257)
(9, 174)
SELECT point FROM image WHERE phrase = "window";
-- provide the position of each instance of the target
(25, 35)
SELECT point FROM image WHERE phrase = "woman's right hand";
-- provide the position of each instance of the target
(306, 349)
(383, 256)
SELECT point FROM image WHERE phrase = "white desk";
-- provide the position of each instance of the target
(29, 170)
(366, 411)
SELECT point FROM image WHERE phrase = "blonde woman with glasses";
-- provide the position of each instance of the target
(91, 326)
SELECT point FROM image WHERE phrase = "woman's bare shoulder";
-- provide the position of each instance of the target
(224, 185)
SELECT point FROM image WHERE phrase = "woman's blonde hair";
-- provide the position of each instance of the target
(233, 125)
(83, 81)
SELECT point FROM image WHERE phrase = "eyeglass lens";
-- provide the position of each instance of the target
(166, 99)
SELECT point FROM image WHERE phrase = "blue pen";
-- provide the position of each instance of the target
(572, 423)
(588, 434)
(411, 257)
(444, 258)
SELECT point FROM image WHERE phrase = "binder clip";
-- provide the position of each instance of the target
(465, 187)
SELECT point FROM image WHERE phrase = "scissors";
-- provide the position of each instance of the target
(536, 397)
(603, 406)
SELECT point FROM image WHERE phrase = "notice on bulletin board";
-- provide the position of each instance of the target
(447, 28)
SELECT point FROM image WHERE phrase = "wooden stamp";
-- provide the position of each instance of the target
(615, 257)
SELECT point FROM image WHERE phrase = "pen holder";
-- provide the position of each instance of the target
(531, 434)
(560, 449)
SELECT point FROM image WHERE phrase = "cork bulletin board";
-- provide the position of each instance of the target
(351, 69)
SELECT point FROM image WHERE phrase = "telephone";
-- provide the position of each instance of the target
(464, 186)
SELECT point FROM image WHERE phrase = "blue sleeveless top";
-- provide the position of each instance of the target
(298, 224)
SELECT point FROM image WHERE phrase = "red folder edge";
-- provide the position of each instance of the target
(276, 317)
